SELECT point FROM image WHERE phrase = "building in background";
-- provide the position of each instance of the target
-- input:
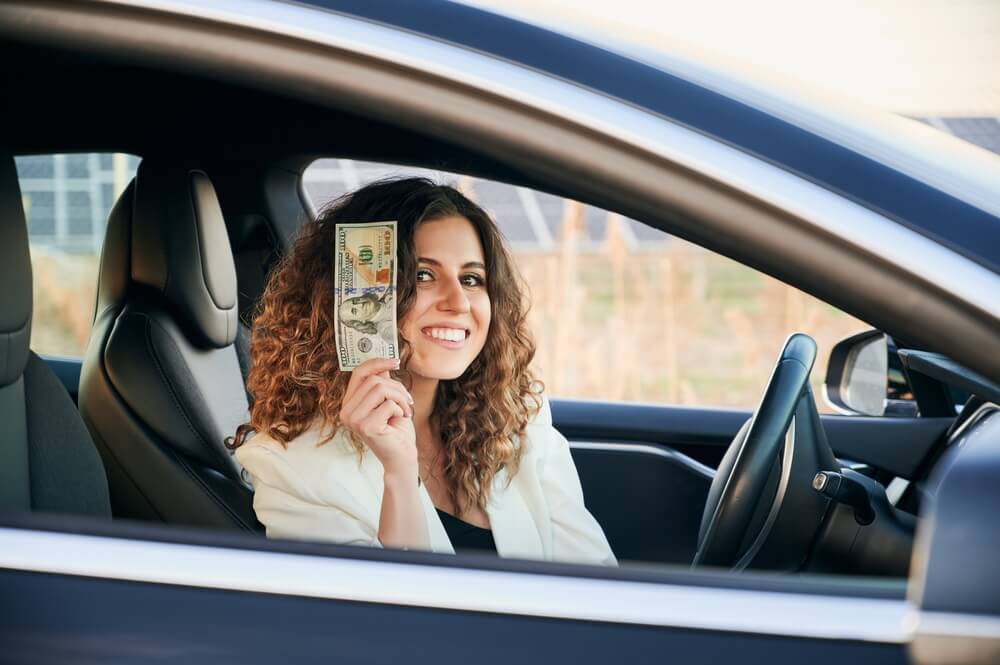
(67, 198)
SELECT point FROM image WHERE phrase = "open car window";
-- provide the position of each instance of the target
(625, 312)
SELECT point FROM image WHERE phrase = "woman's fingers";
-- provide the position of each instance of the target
(379, 419)
(368, 368)
(372, 398)
(389, 388)
(375, 390)
(378, 391)
(358, 383)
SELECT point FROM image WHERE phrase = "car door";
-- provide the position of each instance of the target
(155, 594)
(159, 593)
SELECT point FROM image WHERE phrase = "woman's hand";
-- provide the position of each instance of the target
(379, 410)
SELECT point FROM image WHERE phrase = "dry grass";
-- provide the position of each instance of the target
(65, 289)
(679, 325)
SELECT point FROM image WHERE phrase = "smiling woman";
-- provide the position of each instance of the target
(451, 447)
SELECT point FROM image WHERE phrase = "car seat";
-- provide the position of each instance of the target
(48, 462)
(161, 387)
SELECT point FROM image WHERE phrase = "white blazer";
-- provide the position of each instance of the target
(319, 492)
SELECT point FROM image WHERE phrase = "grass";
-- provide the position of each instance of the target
(64, 293)
(680, 325)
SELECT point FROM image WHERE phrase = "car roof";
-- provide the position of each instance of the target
(927, 183)
(950, 200)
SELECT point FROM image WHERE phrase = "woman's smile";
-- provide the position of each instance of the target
(448, 336)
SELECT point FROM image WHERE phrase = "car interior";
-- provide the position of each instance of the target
(135, 430)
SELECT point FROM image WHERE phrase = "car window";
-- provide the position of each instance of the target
(622, 311)
(67, 198)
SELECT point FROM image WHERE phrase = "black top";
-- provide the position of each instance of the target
(465, 536)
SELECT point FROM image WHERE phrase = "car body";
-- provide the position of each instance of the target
(887, 222)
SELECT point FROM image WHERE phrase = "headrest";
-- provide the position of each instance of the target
(15, 276)
(115, 270)
(180, 248)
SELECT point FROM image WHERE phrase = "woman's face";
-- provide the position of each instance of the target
(447, 324)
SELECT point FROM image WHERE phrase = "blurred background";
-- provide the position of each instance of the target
(927, 59)
(620, 311)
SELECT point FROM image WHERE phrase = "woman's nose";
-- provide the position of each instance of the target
(454, 298)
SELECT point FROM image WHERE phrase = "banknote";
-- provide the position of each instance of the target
(364, 279)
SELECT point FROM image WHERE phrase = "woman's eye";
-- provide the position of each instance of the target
(473, 279)
(424, 275)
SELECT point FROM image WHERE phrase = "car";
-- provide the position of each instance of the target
(772, 535)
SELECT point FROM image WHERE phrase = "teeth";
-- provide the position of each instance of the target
(449, 334)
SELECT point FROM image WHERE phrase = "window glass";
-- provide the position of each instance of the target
(67, 199)
(623, 311)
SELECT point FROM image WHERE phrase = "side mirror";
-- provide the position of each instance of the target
(864, 377)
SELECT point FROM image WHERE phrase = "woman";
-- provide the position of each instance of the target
(452, 447)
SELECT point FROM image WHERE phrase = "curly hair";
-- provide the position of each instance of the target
(295, 378)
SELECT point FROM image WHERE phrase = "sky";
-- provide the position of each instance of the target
(937, 58)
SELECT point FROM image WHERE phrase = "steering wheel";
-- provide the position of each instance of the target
(762, 511)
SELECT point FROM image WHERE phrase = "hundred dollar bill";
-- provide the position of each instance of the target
(364, 279)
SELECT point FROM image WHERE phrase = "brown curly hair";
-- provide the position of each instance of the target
(295, 377)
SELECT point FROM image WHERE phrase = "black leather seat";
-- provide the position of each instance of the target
(48, 462)
(161, 386)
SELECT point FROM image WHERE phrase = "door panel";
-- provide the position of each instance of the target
(54, 619)
(897, 445)
(646, 470)
(647, 499)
